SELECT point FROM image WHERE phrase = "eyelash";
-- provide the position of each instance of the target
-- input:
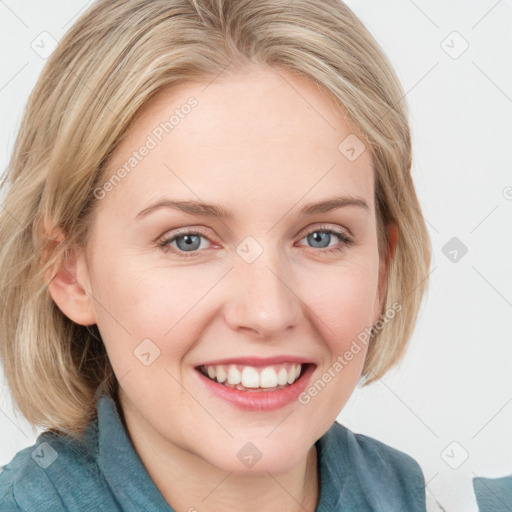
(345, 240)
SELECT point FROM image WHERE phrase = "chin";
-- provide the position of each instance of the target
(259, 456)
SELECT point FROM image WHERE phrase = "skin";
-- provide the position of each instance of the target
(261, 144)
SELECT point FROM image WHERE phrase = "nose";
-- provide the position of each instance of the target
(264, 298)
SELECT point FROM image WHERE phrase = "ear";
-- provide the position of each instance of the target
(70, 288)
(392, 238)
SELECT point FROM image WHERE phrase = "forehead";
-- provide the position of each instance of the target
(262, 137)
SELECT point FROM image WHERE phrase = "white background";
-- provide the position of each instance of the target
(449, 404)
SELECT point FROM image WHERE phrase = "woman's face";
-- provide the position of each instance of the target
(173, 288)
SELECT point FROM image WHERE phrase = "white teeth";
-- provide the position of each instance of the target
(221, 374)
(251, 378)
(282, 377)
(268, 378)
(234, 376)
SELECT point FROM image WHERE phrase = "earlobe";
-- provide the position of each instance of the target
(72, 296)
(392, 231)
(392, 239)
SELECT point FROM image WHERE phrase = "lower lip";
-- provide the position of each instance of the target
(260, 400)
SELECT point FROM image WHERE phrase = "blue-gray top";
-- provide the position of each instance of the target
(356, 473)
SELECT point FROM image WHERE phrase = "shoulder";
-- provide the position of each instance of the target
(24, 480)
(386, 476)
(394, 460)
(42, 476)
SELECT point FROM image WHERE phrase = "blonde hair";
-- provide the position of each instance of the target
(109, 64)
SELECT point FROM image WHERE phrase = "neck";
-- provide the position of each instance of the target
(191, 484)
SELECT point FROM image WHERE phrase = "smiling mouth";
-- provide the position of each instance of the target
(254, 379)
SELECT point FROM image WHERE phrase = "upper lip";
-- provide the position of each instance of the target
(257, 361)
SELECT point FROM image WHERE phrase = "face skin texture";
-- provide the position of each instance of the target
(262, 145)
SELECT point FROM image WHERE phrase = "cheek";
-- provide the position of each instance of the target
(135, 304)
(343, 302)
(143, 299)
(341, 305)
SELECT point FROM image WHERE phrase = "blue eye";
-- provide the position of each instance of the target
(321, 235)
(190, 241)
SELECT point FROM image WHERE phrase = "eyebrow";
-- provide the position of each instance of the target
(212, 210)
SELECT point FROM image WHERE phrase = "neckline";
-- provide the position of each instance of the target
(119, 463)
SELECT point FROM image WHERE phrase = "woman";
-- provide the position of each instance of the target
(167, 313)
